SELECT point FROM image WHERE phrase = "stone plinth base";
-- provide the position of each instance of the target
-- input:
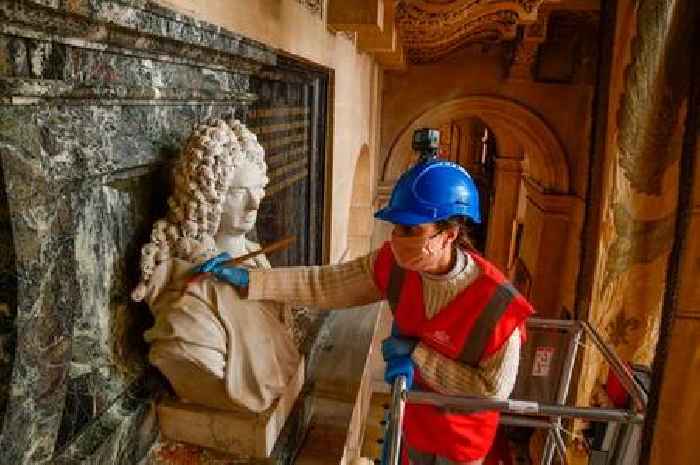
(241, 433)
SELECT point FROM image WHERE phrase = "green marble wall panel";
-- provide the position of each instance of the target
(8, 298)
(96, 98)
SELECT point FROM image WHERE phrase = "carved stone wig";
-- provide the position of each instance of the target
(201, 179)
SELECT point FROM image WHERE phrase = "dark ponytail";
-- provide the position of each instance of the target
(463, 240)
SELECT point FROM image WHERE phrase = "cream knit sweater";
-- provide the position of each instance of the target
(351, 284)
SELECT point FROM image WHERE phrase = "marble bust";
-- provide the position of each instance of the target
(216, 349)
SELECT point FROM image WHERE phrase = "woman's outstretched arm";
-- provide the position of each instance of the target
(344, 285)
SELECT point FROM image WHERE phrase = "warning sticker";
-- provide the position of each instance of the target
(542, 361)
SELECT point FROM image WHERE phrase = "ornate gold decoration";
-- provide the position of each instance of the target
(620, 329)
(641, 193)
(526, 51)
(430, 29)
(445, 140)
(655, 86)
(637, 241)
(316, 6)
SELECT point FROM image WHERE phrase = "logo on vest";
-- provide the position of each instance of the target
(442, 337)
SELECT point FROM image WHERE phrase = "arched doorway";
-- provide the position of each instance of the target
(471, 143)
(517, 130)
(360, 219)
(525, 168)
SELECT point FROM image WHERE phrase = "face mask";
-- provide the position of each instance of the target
(417, 253)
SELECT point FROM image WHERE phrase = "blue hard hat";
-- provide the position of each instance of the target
(432, 190)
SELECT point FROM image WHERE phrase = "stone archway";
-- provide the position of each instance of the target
(530, 157)
(360, 217)
(518, 130)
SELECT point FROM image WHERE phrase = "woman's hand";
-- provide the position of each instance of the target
(209, 265)
(235, 275)
(398, 366)
(395, 346)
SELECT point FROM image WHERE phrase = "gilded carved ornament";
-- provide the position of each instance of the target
(430, 29)
(525, 54)
(648, 121)
(315, 6)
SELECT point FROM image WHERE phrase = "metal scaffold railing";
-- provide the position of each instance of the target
(543, 401)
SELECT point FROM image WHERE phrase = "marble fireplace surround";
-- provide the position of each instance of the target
(96, 98)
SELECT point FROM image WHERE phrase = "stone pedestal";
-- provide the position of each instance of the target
(342, 388)
(241, 433)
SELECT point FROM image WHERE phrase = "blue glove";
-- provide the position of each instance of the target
(398, 347)
(399, 366)
(234, 275)
(210, 264)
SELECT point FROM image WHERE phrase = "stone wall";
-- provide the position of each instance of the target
(8, 297)
(96, 100)
(299, 29)
(564, 107)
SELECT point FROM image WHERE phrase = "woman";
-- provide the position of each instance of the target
(458, 323)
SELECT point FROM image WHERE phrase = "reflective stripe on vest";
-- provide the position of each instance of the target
(416, 457)
(486, 323)
(484, 326)
(393, 291)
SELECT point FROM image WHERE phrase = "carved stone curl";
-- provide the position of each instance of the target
(432, 29)
(216, 349)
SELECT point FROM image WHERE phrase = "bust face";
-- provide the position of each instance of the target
(240, 208)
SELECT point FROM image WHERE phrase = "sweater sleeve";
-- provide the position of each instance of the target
(494, 377)
(348, 284)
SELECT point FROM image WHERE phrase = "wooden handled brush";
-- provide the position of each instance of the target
(269, 248)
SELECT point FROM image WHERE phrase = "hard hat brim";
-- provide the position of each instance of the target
(407, 218)
(403, 217)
